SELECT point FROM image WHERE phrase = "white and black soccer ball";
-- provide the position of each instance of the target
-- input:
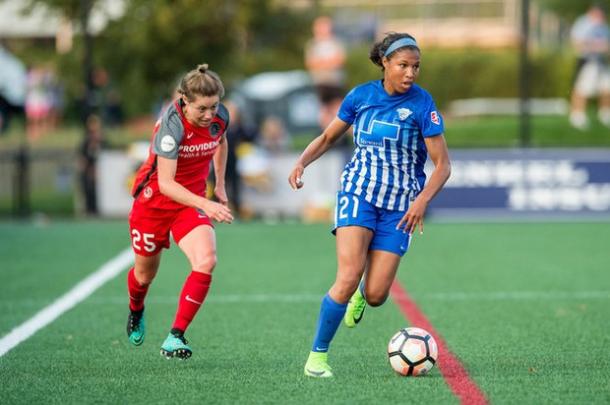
(412, 352)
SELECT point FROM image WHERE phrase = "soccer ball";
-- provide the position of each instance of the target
(412, 351)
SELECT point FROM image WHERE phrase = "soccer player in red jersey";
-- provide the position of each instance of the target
(169, 196)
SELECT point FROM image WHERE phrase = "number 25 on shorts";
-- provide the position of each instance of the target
(143, 241)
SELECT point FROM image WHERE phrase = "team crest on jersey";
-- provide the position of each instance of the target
(148, 192)
(434, 118)
(214, 129)
(403, 113)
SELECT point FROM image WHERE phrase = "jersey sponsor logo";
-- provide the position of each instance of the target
(200, 147)
(168, 143)
(214, 129)
(378, 133)
(403, 113)
(148, 192)
(435, 118)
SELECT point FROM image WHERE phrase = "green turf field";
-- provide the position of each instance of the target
(524, 306)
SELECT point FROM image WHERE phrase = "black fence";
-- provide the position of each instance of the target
(38, 181)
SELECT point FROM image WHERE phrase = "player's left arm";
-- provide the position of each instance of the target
(414, 217)
(166, 169)
(220, 169)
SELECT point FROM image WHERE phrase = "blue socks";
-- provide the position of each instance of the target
(331, 314)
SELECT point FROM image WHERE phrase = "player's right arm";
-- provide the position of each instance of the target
(317, 148)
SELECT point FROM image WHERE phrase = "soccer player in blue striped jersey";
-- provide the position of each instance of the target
(384, 194)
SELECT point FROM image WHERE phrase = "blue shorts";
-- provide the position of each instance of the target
(354, 210)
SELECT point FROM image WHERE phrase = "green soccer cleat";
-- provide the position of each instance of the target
(176, 346)
(317, 365)
(136, 327)
(355, 309)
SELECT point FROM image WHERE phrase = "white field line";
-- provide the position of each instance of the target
(64, 303)
(317, 297)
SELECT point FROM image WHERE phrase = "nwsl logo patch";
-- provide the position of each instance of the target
(435, 118)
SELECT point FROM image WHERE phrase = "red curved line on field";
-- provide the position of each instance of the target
(450, 367)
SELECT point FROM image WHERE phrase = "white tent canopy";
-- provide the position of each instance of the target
(41, 22)
(13, 78)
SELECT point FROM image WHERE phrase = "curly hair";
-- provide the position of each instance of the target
(379, 48)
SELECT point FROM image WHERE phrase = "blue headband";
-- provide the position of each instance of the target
(400, 43)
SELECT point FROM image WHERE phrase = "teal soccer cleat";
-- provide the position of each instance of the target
(136, 327)
(176, 346)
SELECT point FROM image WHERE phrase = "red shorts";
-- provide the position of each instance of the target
(149, 228)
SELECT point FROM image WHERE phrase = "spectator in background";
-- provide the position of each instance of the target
(591, 38)
(106, 99)
(237, 134)
(89, 152)
(273, 135)
(325, 60)
(256, 160)
(325, 54)
(56, 96)
(39, 101)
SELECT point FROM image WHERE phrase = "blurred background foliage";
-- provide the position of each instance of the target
(451, 74)
(155, 41)
(570, 9)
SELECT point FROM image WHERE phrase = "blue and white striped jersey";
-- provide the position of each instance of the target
(388, 162)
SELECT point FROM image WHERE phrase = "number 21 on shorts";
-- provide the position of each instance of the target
(347, 206)
(143, 241)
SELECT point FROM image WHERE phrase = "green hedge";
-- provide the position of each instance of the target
(457, 74)
(448, 74)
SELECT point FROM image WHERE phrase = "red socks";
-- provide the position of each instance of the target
(192, 296)
(137, 292)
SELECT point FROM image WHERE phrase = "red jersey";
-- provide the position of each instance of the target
(193, 147)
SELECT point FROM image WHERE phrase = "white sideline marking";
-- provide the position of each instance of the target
(317, 297)
(299, 298)
(451, 296)
(64, 303)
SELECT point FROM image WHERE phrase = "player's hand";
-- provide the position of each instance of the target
(295, 179)
(414, 217)
(217, 211)
(221, 194)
